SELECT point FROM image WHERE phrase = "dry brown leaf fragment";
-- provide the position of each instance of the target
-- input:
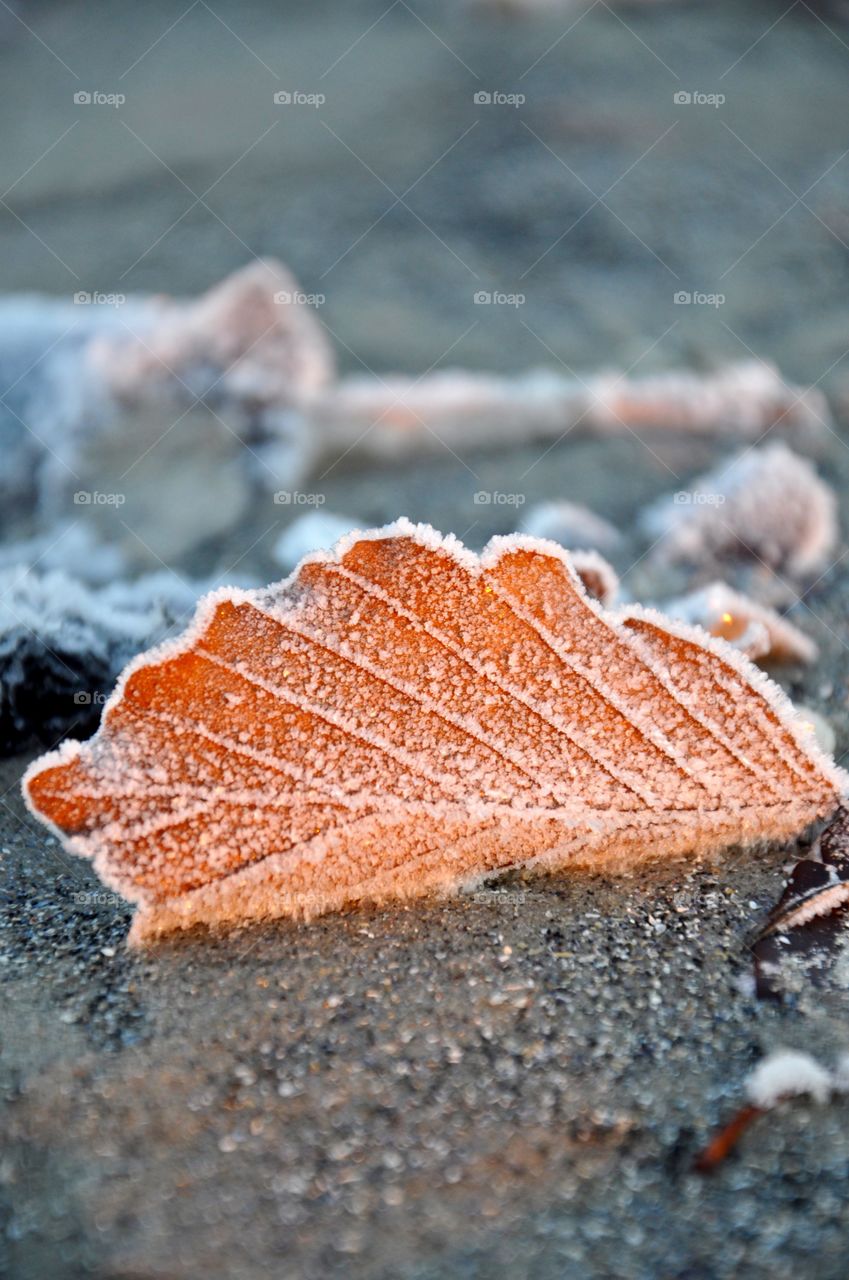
(808, 923)
(757, 630)
(599, 577)
(817, 886)
(401, 716)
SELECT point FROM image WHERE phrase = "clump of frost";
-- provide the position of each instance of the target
(63, 610)
(314, 531)
(62, 644)
(73, 548)
(787, 1073)
(766, 508)
(572, 525)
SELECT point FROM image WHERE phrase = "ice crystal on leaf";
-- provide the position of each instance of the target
(403, 716)
(787, 1074)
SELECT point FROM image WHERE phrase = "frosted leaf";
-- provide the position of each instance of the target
(573, 526)
(767, 508)
(250, 347)
(744, 399)
(315, 531)
(387, 416)
(755, 629)
(402, 716)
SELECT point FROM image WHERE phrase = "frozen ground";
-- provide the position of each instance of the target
(512, 1084)
(515, 1083)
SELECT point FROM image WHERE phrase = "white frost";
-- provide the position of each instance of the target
(572, 525)
(315, 531)
(766, 507)
(59, 610)
(787, 1073)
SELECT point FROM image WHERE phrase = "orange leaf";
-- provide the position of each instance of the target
(403, 716)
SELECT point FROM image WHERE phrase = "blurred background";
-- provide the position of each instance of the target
(596, 161)
(399, 196)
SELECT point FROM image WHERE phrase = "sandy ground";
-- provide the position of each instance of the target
(511, 1084)
(514, 1083)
